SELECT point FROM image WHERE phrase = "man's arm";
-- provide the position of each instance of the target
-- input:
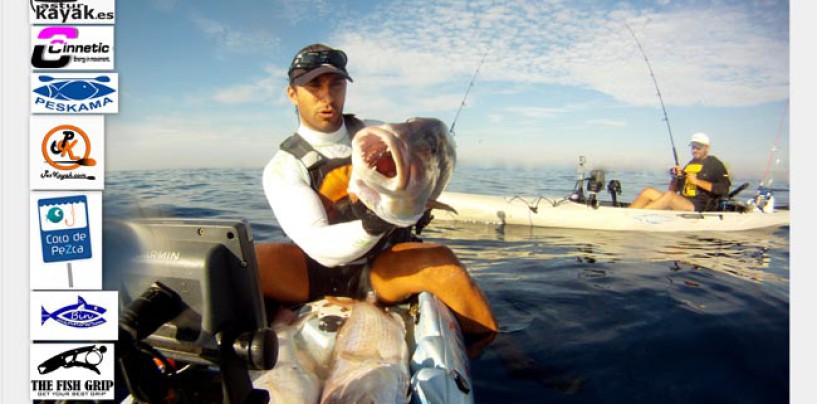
(300, 213)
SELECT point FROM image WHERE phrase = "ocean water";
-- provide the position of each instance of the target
(585, 316)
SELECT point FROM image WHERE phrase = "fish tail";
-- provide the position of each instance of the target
(45, 315)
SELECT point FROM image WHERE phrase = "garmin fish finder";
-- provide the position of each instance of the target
(190, 290)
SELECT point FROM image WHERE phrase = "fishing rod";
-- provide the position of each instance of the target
(467, 90)
(765, 178)
(660, 98)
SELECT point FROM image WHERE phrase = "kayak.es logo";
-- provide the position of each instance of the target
(79, 315)
(74, 93)
(72, 11)
(76, 48)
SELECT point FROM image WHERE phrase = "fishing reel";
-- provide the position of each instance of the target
(595, 183)
(614, 188)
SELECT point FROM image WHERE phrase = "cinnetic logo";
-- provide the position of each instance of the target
(74, 93)
(72, 11)
(72, 48)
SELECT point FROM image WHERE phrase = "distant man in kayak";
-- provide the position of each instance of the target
(341, 248)
(704, 181)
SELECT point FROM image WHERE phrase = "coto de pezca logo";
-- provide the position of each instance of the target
(72, 47)
(72, 11)
(74, 93)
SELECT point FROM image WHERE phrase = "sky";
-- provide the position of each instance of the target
(202, 83)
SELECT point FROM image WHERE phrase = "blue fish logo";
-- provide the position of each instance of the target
(74, 89)
(80, 315)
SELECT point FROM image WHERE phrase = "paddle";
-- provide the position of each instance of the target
(737, 190)
(101, 79)
(88, 162)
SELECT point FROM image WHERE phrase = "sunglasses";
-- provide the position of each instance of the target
(313, 60)
(697, 146)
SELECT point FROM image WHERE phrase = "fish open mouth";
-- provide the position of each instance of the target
(379, 157)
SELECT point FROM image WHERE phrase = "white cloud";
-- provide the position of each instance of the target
(176, 141)
(235, 39)
(715, 56)
(269, 87)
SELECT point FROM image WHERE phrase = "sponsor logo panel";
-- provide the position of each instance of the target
(72, 11)
(72, 47)
(72, 371)
(74, 315)
(67, 152)
(65, 240)
(74, 93)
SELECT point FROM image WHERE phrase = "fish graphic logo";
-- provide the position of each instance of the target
(79, 89)
(74, 93)
(80, 315)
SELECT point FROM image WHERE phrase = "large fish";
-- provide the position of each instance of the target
(370, 360)
(400, 169)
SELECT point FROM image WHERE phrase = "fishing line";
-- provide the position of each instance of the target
(660, 98)
(468, 90)
(766, 181)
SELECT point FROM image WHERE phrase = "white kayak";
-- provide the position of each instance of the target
(436, 363)
(564, 213)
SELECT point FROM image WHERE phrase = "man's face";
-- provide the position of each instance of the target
(699, 151)
(320, 102)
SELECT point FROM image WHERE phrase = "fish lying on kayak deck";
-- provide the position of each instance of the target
(370, 360)
(438, 363)
(294, 379)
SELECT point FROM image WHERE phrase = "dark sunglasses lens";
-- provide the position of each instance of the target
(337, 59)
(312, 60)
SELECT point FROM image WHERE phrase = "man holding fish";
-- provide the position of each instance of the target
(347, 194)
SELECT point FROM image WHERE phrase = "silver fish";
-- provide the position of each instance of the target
(370, 361)
(294, 379)
(400, 169)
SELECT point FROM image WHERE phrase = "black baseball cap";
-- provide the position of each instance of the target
(315, 60)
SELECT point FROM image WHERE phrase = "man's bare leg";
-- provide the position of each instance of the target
(410, 268)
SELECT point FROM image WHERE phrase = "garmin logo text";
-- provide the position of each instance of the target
(72, 11)
(159, 255)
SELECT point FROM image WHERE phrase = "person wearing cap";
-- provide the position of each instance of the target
(703, 182)
(341, 248)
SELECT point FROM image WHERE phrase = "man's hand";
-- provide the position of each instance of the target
(371, 222)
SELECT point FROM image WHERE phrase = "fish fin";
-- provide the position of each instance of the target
(81, 301)
(45, 315)
(440, 206)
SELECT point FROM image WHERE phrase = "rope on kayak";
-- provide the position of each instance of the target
(534, 206)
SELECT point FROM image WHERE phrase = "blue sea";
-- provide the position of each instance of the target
(585, 316)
